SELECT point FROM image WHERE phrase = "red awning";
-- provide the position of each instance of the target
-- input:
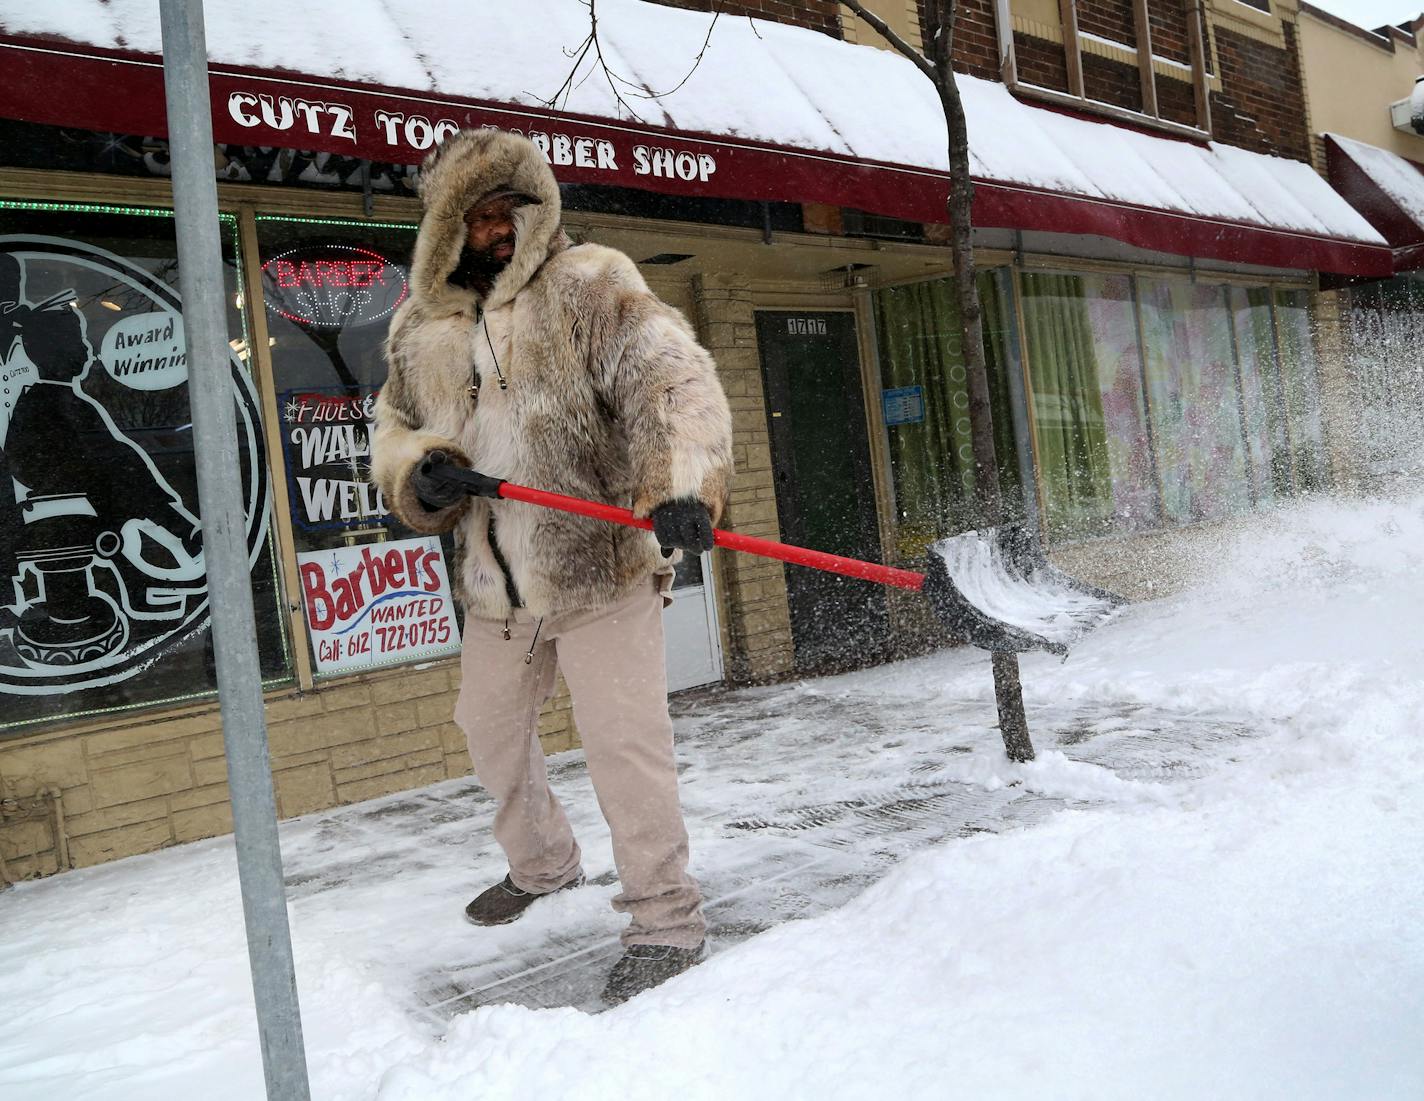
(64, 84)
(1387, 189)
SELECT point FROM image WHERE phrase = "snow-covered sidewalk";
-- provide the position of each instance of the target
(1208, 885)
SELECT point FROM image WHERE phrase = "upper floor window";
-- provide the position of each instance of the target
(1144, 61)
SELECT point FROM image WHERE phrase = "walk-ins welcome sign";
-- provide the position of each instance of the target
(326, 440)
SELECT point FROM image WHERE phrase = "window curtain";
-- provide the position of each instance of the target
(1193, 400)
(1089, 420)
(932, 462)
(1000, 354)
(1262, 399)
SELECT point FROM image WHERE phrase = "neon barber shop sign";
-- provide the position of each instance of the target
(333, 286)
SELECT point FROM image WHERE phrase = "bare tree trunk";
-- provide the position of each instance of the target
(971, 313)
(939, 67)
(1008, 691)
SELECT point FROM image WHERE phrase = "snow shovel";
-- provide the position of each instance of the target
(992, 589)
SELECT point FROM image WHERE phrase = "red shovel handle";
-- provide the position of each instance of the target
(767, 548)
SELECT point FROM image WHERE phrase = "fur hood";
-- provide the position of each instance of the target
(465, 168)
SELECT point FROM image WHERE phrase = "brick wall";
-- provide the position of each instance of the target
(1108, 19)
(1109, 81)
(1040, 63)
(976, 45)
(1176, 101)
(1261, 105)
(757, 617)
(156, 779)
(1169, 30)
(819, 15)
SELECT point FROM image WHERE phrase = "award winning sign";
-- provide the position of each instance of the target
(326, 442)
(333, 286)
(378, 604)
(101, 553)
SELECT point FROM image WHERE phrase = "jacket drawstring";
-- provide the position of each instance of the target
(506, 628)
(529, 657)
(497, 372)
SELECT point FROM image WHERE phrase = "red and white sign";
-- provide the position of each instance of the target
(333, 286)
(122, 92)
(378, 604)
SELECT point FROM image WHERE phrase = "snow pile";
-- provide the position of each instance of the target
(1251, 934)
(1402, 180)
(1247, 927)
(764, 81)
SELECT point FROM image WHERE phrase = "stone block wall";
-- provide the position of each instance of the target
(144, 782)
(756, 618)
(1346, 449)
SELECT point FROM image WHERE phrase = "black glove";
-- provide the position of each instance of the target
(434, 492)
(683, 525)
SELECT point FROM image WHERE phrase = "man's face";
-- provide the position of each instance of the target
(489, 244)
(489, 229)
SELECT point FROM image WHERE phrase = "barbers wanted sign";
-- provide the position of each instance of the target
(101, 554)
(379, 603)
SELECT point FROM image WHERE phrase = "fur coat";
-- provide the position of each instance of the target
(609, 396)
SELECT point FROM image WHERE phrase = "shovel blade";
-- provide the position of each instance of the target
(994, 589)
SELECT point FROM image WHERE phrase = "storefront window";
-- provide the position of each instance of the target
(374, 592)
(103, 595)
(926, 406)
(1300, 374)
(1088, 411)
(1215, 408)
(1193, 400)
(1262, 397)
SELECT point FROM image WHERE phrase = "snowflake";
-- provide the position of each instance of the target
(294, 409)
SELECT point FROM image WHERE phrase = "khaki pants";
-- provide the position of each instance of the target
(612, 660)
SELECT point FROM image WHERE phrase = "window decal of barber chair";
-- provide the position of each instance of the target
(91, 581)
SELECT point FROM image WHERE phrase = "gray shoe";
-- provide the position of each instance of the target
(504, 902)
(644, 966)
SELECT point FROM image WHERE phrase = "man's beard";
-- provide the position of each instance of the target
(478, 268)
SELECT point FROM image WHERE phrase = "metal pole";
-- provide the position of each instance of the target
(254, 813)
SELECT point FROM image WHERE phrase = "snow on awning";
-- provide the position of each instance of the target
(1387, 189)
(771, 112)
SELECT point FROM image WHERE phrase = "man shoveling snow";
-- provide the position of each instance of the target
(530, 359)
